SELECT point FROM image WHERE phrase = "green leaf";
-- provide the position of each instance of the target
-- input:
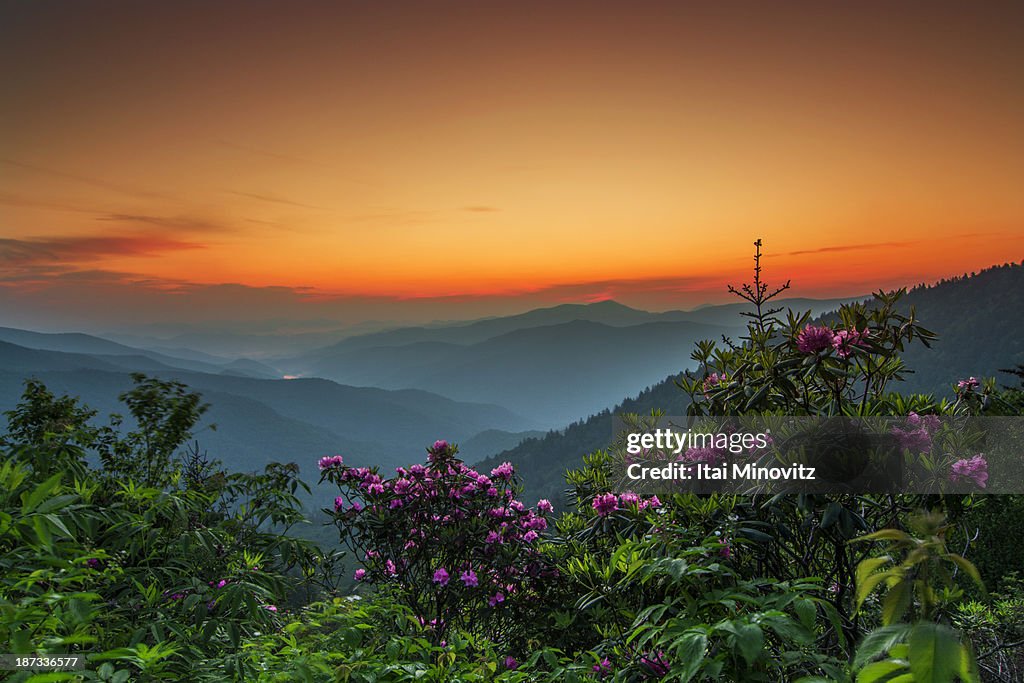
(934, 653)
(689, 650)
(878, 642)
(51, 676)
(750, 641)
(879, 671)
(968, 567)
(870, 583)
(30, 501)
(869, 565)
(968, 665)
(896, 602)
(806, 611)
(831, 514)
(885, 535)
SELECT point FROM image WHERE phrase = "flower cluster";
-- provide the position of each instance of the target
(916, 436)
(331, 461)
(815, 338)
(606, 503)
(845, 340)
(974, 469)
(967, 385)
(455, 544)
(713, 380)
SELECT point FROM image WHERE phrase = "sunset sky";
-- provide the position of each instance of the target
(212, 161)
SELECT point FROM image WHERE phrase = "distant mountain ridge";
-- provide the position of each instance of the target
(607, 312)
(77, 342)
(552, 365)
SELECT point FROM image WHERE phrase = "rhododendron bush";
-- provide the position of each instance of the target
(453, 544)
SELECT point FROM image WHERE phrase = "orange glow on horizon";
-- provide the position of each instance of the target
(572, 152)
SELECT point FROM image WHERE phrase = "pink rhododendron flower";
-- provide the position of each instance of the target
(929, 423)
(605, 504)
(270, 608)
(331, 461)
(339, 503)
(813, 339)
(603, 668)
(503, 471)
(469, 579)
(968, 385)
(713, 380)
(705, 455)
(441, 576)
(530, 536)
(913, 440)
(511, 663)
(975, 469)
(544, 505)
(496, 599)
(845, 340)
(359, 575)
(440, 445)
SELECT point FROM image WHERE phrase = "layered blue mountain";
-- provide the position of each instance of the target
(551, 365)
(261, 420)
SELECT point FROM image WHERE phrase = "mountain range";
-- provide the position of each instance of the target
(262, 420)
(551, 365)
(488, 384)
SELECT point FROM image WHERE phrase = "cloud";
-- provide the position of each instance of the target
(850, 247)
(275, 200)
(8, 199)
(268, 154)
(85, 180)
(182, 222)
(82, 249)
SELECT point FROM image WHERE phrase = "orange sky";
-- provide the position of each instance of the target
(493, 151)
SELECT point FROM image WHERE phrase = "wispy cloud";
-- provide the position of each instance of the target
(274, 199)
(267, 154)
(21, 202)
(84, 180)
(850, 247)
(176, 222)
(84, 249)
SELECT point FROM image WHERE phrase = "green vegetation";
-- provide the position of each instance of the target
(123, 543)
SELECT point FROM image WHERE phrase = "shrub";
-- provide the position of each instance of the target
(450, 543)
